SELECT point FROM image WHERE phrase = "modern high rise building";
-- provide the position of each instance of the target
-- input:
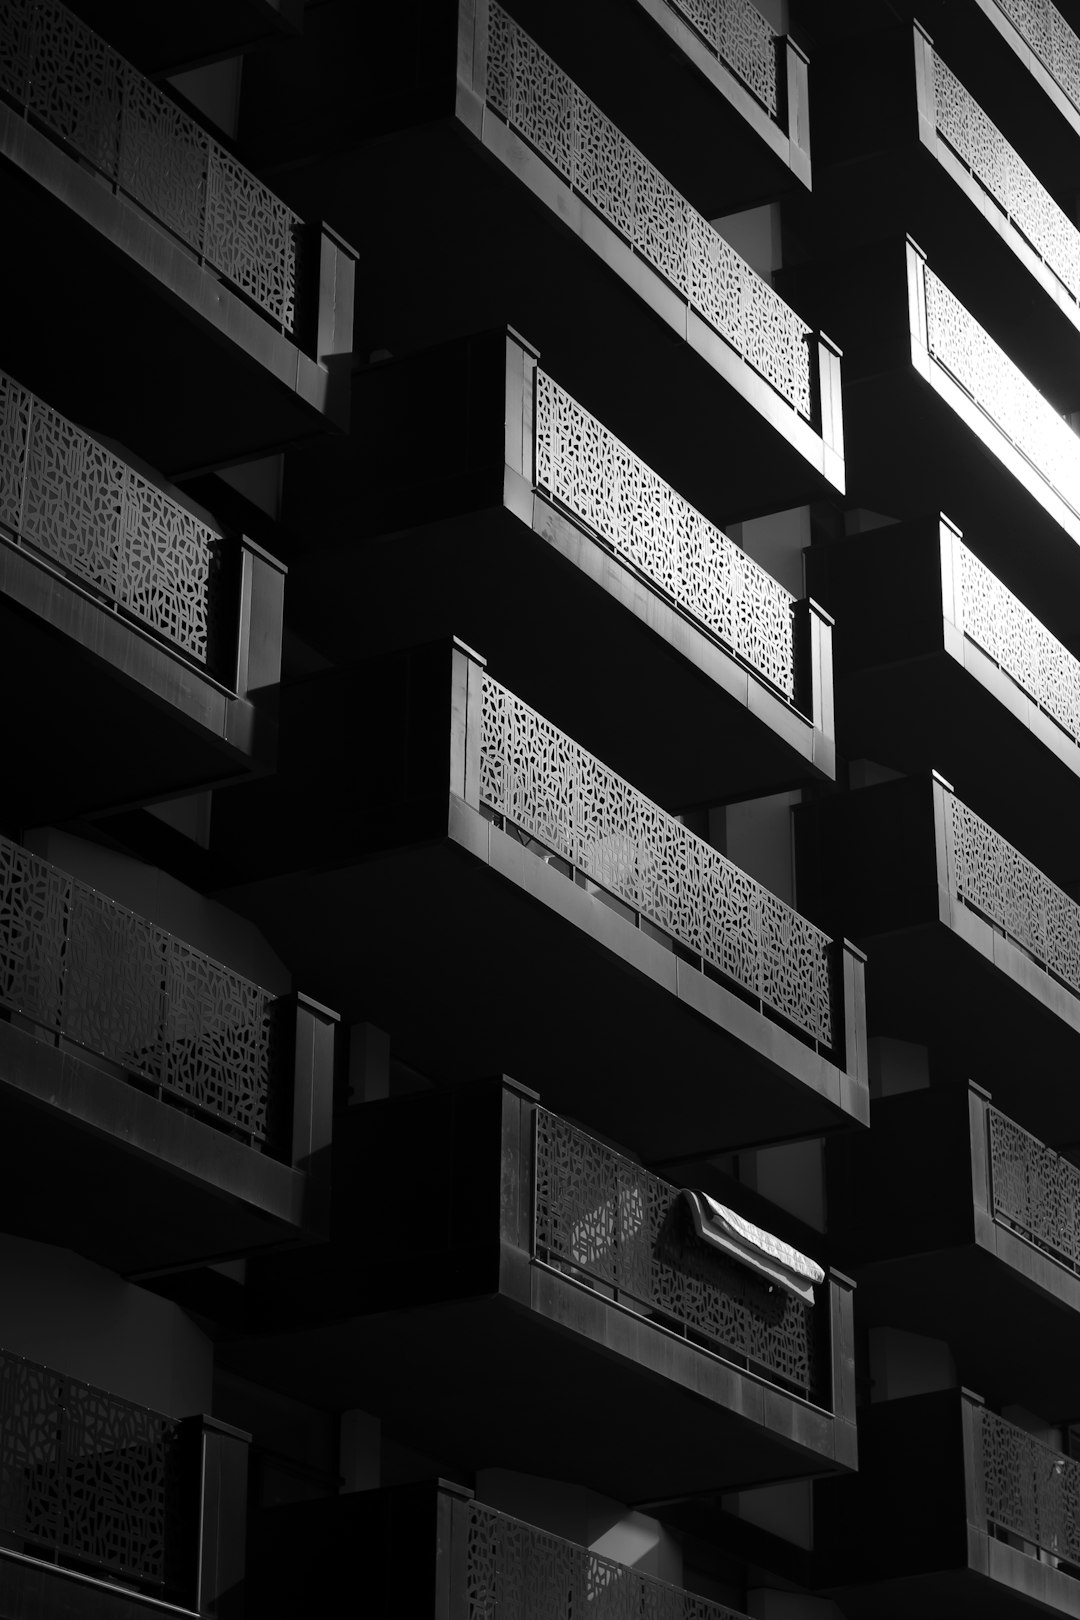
(539, 911)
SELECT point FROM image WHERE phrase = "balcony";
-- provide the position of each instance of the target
(525, 513)
(543, 1260)
(544, 212)
(987, 1257)
(109, 1509)
(510, 868)
(734, 81)
(136, 1073)
(433, 1548)
(967, 174)
(937, 660)
(955, 1511)
(248, 306)
(128, 595)
(951, 915)
(979, 441)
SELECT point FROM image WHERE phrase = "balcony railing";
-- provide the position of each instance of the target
(67, 497)
(1043, 27)
(737, 33)
(89, 1479)
(600, 481)
(62, 75)
(527, 89)
(82, 967)
(512, 1568)
(995, 880)
(555, 792)
(984, 371)
(608, 1220)
(1034, 1189)
(1026, 1488)
(1000, 170)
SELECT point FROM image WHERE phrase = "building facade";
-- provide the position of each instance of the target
(540, 932)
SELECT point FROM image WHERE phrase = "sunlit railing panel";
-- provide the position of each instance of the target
(994, 879)
(65, 495)
(81, 966)
(60, 73)
(1043, 27)
(737, 33)
(562, 796)
(998, 622)
(983, 149)
(1026, 1487)
(600, 481)
(90, 1477)
(1034, 1189)
(963, 348)
(514, 1569)
(611, 1222)
(534, 96)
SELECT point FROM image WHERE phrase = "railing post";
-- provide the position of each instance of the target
(451, 1551)
(971, 1413)
(952, 599)
(981, 1165)
(222, 1470)
(796, 63)
(942, 791)
(313, 1104)
(917, 325)
(517, 1172)
(831, 408)
(262, 596)
(925, 87)
(814, 669)
(842, 1358)
(855, 1058)
(521, 359)
(466, 703)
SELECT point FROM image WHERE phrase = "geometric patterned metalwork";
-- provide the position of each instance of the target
(534, 96)
(82, 966)
(562, 796)
(61, 74)
(738, 34)
(998, 622)
(963, 348)
(1034, 1189)
(1050, 37)
(994, 879)
(983, 149)
(1027, 1487)
(94, 516)
(513, 1571)
(606, 1219)
(84, 1474)
(592, 473)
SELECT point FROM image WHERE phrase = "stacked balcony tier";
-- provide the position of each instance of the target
(939, 664)
(974, 952)
(986, 1257)
(943, 419)
(955, 1511)
(426, 827)
(533, 1255)
(155, 1102)
(109, 1511)
(528, 528)
(139, 216)
(435, 1549)
(539, 210)
(114, 588)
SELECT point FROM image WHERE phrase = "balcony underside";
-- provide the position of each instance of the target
(569, 1386)
(91, 1160)
(695, 106)
(992, 1301)
(986, 1010)
(74, 753)
(915, 447)
(972, 722)
(168, 38)
(565, 620)
(500, 239)
(482, 959)
(1006, 1584)
(146, 345)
